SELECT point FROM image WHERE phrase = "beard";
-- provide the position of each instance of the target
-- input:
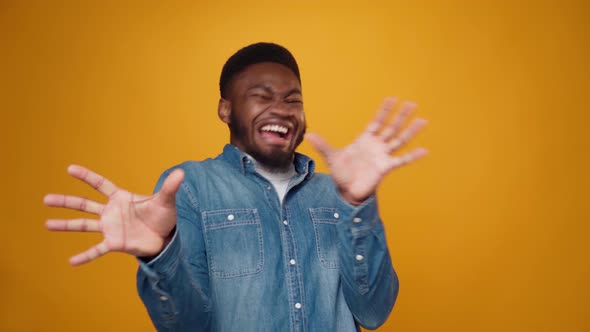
(275, 159)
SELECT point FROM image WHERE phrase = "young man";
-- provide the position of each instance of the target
(255, 240)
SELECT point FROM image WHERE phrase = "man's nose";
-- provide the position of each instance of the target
(281, 107)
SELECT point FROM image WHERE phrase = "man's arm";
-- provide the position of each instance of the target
(370, 284)
(174, 291)
(143, 226)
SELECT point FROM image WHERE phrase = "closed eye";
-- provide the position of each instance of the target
(294, 101)
(263, 97)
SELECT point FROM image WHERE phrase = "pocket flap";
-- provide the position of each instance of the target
(325, 215)
(230, 217)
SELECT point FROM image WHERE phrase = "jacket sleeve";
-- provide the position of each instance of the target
(369, 282)
(174, 286)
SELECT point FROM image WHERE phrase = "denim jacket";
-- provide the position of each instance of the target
(242, 261)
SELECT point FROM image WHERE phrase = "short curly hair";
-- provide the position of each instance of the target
(253, 54)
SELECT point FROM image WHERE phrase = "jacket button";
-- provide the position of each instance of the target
(230, 217)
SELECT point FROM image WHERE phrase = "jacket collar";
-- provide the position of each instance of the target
(240, 161)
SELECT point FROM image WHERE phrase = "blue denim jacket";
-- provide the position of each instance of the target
(242, 261)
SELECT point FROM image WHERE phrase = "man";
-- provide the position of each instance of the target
(255, 240)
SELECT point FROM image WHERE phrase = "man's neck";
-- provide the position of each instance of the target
(274, 173)
(274, 170)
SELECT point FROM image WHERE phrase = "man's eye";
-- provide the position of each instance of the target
(293, 101)
(263, 97)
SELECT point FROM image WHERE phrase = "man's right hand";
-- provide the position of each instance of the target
(130, 223)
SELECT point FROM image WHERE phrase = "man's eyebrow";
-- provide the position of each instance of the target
(269, 90)
(266, 88)
(293, 91)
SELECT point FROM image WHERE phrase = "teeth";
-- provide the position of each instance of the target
(275, 128)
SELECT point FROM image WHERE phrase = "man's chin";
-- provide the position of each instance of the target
(273, 158)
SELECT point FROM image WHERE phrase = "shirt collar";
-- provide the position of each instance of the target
(240, 161)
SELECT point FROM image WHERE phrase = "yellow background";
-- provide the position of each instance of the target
(488, 233)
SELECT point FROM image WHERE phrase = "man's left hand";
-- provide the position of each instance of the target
(358, 168)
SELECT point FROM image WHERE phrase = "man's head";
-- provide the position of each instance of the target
(262, 104)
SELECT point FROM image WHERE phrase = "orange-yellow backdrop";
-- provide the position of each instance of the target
(489, 233)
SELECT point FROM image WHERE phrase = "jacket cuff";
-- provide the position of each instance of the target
(166, 262)
(361, 219)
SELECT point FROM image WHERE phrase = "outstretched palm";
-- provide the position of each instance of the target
(358, 168)
(130, 223)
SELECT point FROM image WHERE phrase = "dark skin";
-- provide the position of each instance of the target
(264, 110)
(265, 94)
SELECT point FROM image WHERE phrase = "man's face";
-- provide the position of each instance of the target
(266, 117)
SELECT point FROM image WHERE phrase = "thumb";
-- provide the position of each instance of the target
(320, 144)
(167, 195)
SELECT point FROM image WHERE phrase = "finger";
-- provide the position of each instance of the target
(167, 194)
(73, 202)
(320, 144)
(407, 134)
(96, 181)
(381, 115)
(392, 129)
(90, 254)
(73, 225)
(408, 158)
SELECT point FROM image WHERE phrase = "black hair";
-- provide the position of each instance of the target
(253, 54)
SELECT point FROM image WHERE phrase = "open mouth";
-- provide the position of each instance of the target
(275, 133)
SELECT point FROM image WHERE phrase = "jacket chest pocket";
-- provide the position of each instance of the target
(234, 242)
(326, 235)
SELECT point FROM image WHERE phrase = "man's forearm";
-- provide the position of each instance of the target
(370, 284)
(173, 300)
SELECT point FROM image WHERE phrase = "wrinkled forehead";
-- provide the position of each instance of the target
(267, 75)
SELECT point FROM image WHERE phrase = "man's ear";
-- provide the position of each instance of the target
(224, 110)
